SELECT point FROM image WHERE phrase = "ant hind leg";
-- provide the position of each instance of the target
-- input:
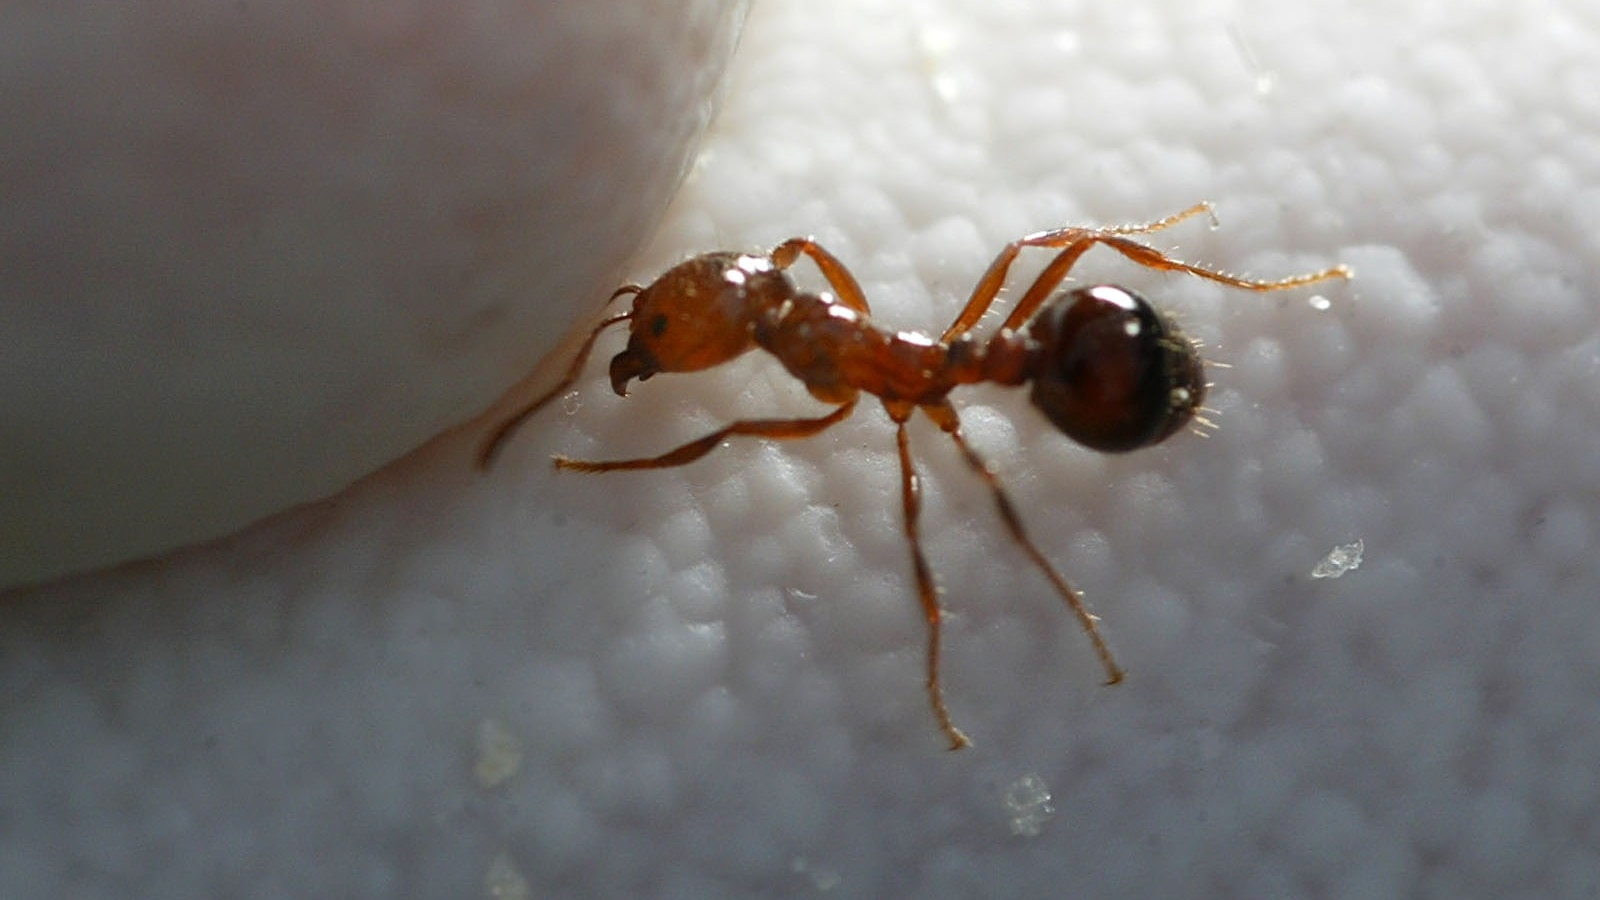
(1073, 242)
(946, 418)
(1204, 206)
(1151, 258)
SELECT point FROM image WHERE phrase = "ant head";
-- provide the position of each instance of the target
(1110, 372)
(695, 316)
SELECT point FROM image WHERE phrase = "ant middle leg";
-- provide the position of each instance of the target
(946, 418)
(927, 591)
(837, 274)
(779, 429)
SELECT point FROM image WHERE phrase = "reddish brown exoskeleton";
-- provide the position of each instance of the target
(1104, 366)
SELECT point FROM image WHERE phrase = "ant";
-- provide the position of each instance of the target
(1106, 368)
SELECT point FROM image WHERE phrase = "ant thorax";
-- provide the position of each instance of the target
(837, 351)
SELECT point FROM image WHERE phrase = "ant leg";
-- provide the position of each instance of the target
(988, 287)
(927, 592)
(1050, 278)
(1151, 258)
(839, 277)
(1074, 242)
(983, 293)
(1204, 206)
(781, 429)
(945, 416)
(503, 432)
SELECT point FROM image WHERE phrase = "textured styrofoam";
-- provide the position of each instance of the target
(706, 681)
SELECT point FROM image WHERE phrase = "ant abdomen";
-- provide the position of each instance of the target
(1110, 371)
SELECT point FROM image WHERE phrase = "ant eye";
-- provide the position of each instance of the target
(658, 325)
(1110, 372)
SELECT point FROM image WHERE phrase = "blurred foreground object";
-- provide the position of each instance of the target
(251, 252)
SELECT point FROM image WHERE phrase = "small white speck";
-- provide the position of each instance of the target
(936, 42)
(499, 754)
(822, 878)
(1320, 303)
(1027, 802)
(504, 882)
(1265, 81)
(1132, 328)
(1343, 558)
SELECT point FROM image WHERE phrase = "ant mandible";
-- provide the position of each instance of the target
(1107, 369)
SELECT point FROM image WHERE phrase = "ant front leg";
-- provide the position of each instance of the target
(946, 418)
(502, 433)
(780, 429)
(839, 277)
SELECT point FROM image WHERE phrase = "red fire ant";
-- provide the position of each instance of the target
(1106, 368)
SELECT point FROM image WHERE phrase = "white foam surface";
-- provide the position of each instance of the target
(712, 675)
